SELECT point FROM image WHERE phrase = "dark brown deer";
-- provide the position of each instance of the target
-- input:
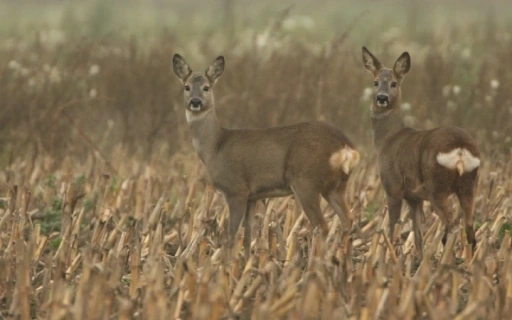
(308, 159)
(418, 165)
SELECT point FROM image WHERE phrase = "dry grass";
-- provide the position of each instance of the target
(107, 213)
(147, 247)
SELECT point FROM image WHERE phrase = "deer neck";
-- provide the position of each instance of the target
(385, 125)
(206, 132)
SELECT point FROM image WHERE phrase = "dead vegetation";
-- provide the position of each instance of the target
(147, 247)
(106, 212)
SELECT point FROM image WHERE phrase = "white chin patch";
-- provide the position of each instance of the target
(197, 115)
(382, 104)
(195, 109)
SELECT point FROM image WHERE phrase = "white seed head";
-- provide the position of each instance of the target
(93, 93)
(495, 84)
(262, 40)
(406, 106)
(94, 70)
(14, 65)
(456, 89)
(367, 93)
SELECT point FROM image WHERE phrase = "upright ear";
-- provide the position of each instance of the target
(180, 67)
(216, 69)
(402, 65)
(371, 63)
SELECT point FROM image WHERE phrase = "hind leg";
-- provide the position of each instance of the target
(336, 199)
(440, 205)
(466, 195)
(467, 206)
(310, 202)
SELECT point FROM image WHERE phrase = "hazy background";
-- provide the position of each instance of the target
(85, 77)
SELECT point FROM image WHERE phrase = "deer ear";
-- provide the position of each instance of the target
(216, 69)
(371, 63)
(180, 67)
(402, 65)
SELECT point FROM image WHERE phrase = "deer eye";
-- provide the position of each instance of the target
(206, 89)
(393, 84)
(375, 83)
(187, 87)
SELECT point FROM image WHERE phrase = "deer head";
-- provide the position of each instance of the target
(197, 86)
(386, 84)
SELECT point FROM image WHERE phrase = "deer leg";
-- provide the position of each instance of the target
(336, 199)
(237, 210)
(440, 205)
(394, 208)
(466, 200)
(467, 206)
(415, 212)
(247, 228)
(310, 202)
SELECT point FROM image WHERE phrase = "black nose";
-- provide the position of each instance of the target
(382, 98)
(195, 102)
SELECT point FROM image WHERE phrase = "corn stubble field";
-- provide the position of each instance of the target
(107, 213)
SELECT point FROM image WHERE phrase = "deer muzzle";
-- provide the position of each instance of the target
(195, 104)
(382, 100)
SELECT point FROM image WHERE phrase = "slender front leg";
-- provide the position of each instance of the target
(237, 209)
(415, 211)
(247, 228)
(394, 208)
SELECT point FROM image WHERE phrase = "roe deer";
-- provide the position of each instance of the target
(308, 159)
(418, 165)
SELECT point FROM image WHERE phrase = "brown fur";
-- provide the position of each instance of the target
(407, 157)
(251, 164)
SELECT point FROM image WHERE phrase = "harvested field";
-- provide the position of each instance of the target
(106, 211)
(95, 246)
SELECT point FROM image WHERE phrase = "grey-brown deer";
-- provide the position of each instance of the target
(307, 159)
(418, 165)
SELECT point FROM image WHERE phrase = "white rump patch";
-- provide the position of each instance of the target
(346, 159)
(195, 116)
(460, 159)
